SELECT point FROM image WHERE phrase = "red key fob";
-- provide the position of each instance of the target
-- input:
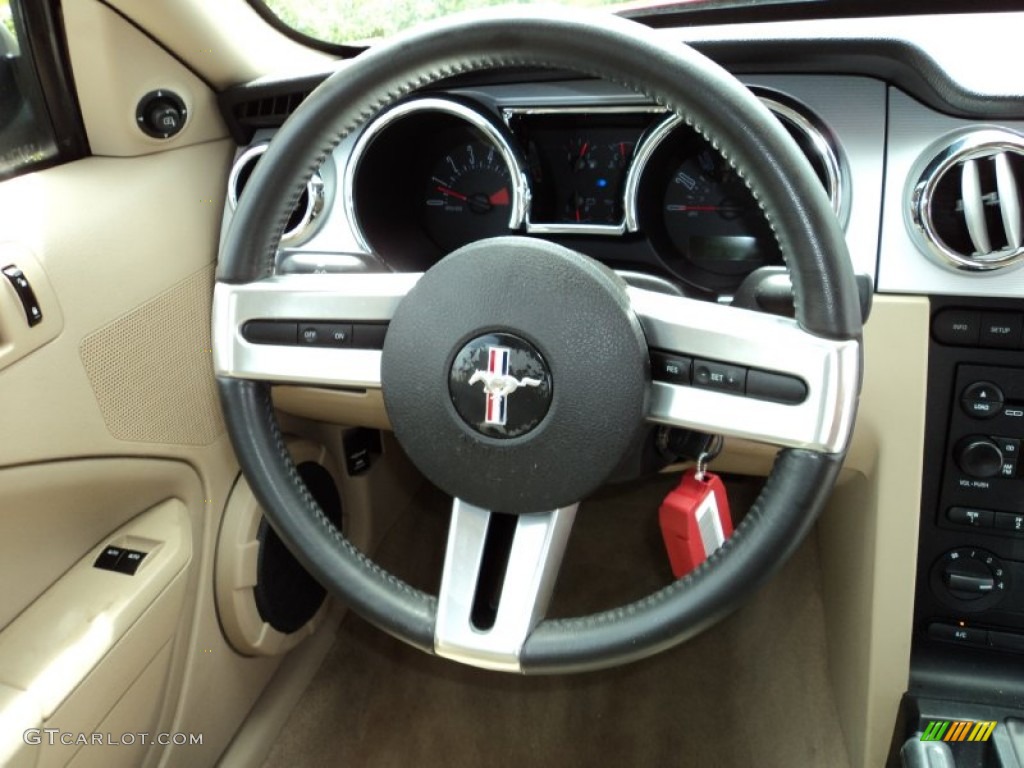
(695, 520)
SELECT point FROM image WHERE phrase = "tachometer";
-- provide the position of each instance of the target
(467, 195)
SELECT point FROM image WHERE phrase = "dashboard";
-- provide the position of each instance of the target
(577, 162)
(920, 149)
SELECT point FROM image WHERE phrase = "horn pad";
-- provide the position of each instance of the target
(515, 375)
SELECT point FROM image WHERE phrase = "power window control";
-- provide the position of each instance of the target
(109, 558)
(121, 560)
(130, 561)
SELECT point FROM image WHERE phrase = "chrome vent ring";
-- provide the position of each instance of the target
(301, 224)
(964, 206)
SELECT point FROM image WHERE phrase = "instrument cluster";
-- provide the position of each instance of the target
(630, 185)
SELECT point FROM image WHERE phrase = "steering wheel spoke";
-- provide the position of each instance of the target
(748, 374)
(499, 574)
(322, 330)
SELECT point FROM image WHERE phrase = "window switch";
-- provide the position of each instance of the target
(29, 303)
(109, 559)
(130, 561)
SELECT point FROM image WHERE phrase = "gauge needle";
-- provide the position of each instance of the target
(452, 193)
(583, 149)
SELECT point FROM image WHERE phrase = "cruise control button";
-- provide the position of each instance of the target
(1008, 521)
(776, 387)
(1001, 329)
(325, 334)
(977, 518)
(726, 378)
(982, 400)
(671, 368)
(959, 327)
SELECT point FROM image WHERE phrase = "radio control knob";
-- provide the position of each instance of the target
(980, 457)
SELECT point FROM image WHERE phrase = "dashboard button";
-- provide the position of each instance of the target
(726, 378)
(982, 400)
(1001, 329)
(976, 518)
(959, 327)
(1008, 521)
(957, 634)
(671, 368)
(1006, 641)
(776, 386)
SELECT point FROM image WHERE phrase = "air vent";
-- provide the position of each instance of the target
(307, 209)
(818, 146)
(965, 205)
(268, 111)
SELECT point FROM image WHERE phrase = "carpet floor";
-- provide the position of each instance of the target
(752, 691)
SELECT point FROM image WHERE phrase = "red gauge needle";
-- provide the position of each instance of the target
(583, 149)
(500, 197)
(452, 193)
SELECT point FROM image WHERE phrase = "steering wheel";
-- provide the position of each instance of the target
(553, 337)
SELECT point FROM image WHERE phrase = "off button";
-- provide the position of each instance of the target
(982, 400)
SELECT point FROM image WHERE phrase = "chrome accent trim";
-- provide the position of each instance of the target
(837, 173)
(700, 329)
(1009, 200)
(963, 147)
(836, 170)
(303, 298)
(568, 228)
(314, 195)
(517, 174)
(313, 263)
(534, 561)
(974, 209)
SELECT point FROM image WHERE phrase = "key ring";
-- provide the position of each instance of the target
(711, 450)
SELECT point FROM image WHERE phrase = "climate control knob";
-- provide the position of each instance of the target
(979, 457)
(970, 579)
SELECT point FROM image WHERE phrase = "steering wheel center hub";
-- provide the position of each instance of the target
(501, 393)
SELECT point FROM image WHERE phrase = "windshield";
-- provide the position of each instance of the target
(361, 21)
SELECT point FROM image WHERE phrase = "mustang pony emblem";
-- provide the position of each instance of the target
(498, 384)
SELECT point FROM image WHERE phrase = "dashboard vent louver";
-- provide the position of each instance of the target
(965, 205)
(268, 111)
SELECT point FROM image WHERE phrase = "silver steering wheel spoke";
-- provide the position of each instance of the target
(518, 594)
(738, 359)
(285, 304)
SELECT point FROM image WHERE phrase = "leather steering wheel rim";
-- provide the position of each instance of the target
(707, 98)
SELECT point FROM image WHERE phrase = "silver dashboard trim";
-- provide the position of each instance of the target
(307, 298)
(700, 329)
